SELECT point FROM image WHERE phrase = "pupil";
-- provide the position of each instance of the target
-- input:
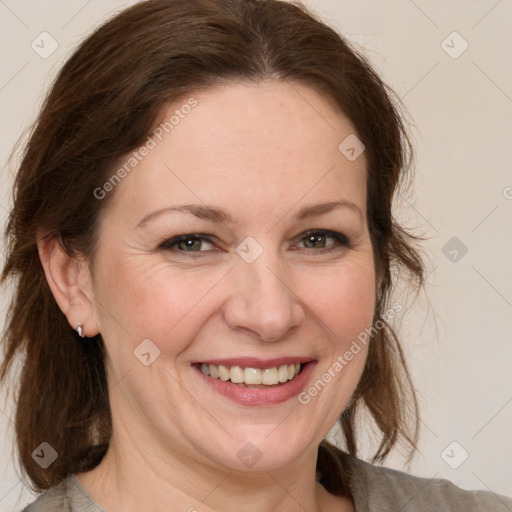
(190, 243)
(314, 239)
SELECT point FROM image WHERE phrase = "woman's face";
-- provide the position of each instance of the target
(261, 282)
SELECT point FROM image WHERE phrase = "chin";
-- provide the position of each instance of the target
(261, 452)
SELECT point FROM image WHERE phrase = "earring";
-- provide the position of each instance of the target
(80, 330)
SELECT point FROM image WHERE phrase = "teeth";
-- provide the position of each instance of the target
(214, 371)
(224, 373)
(236, 375)
(269, 376)
(282, 373)
(252, 376)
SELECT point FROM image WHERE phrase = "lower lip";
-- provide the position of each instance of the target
(260, 396)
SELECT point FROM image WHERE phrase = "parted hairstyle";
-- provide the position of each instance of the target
(103, 104)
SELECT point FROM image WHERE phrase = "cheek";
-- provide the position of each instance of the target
(140, 299)
(344, 299)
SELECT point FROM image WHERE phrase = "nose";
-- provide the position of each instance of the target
(263, 304)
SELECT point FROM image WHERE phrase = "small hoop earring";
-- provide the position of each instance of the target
(80, 330)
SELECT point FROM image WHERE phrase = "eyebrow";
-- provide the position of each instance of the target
(217, 215)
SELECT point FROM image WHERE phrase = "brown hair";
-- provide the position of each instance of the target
(103, 104)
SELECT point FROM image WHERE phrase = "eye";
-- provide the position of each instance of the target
(186, 243)
(317, 239)
(314, 240)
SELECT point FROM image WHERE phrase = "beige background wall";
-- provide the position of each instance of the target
(459, 343)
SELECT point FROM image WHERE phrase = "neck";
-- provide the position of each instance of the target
(132, 477)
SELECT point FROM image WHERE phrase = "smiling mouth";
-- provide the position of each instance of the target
(250, 378)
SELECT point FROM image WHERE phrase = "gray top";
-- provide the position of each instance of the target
(374, 488)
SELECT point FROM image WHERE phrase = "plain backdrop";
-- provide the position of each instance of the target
(449, 61)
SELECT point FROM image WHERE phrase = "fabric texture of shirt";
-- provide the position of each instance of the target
(374, 489)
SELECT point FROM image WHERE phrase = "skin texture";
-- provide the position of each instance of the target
(260, 152)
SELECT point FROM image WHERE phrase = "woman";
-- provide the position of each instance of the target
(202, 237)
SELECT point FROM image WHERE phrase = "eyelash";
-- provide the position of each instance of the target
(341, 241)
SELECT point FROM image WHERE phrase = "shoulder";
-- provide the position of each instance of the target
(55, 498)
(68, 496)
(377, 488)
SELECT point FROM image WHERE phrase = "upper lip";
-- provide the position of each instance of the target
(255, 362)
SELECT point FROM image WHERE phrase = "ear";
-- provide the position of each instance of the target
(70, 281)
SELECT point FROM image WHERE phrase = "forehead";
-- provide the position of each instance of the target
(258, 147)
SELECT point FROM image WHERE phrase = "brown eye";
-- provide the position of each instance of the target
(314, 241)
(186, 243)
(319, 240)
